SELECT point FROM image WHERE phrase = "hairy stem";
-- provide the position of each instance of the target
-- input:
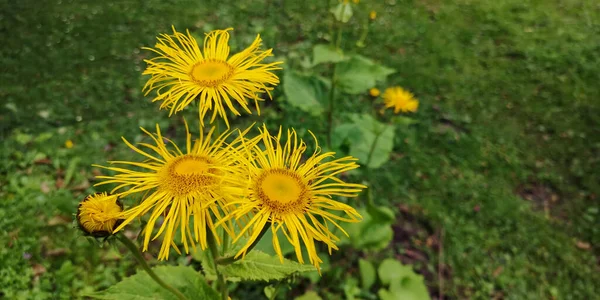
(140, 259)
(212, 246)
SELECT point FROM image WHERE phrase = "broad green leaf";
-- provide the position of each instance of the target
(368, 275)
(392, 270)
(370, 233)
(326, 53)
(304, 92)
(141, 287)
(409, 287)
(310, 295)
(344, 132)
(342, 12)
(381, 213)
(376, 141)
(351, 289)
(256, 265)
(358, 74)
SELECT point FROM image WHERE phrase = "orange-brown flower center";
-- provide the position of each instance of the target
(188, 174)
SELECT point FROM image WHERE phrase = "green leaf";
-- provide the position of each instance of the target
(304, 92)
(257, 265)
(392, 270)
(381, 213)
(141, 287)
(343, 133)
(372, 132)
(402, 120)
(368, 275)
(358, 74)
(342, 12)
(326, 53)
(310, 295)
(269, 291)
(71, 168)
(409, 287)
(370, 233)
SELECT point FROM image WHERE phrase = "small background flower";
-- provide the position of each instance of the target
(400, 100)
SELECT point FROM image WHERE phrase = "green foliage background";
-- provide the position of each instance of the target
(503, 156)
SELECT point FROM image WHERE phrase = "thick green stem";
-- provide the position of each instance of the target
(140, 259)
(212, 246)
(232, 259)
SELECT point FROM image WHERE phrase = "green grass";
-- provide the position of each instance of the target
(509, 99)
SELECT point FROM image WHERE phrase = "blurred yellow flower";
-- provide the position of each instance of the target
(98, 214)
(374, 92)
(401, 100)
(356, 1)
(183, 73)
(373, 15)
(69, 144)
(188, 189)
(293, 196)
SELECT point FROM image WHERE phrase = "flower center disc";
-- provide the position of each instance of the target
(211, 73)
(191, 167)
(188, 174)
(281, 190)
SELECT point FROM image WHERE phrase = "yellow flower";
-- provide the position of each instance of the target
(400, 100)
(186, 188)
(293, 196)
(374, 92)
(213, 77)
(69, 144)
(98, 214)
(373, 15)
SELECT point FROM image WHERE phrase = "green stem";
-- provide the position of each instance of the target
(331, 106)
(373, 148)
(225, 242)
(140, 259)
(232, 259)
(363, 36)
(212, 246)
(333, 78)
(274, 295)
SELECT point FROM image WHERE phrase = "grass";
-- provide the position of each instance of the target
(509, 106)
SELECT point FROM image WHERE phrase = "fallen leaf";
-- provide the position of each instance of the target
(82, 186)
(43, 161)
(38, 270)
(59, 220)
(498, 271)
(57, 252)
(583, 245)
(44, 187)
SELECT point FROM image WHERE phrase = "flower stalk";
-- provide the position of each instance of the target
(140, 259)
(212, 246)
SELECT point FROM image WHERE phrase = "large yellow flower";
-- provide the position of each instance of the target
(400, 100)
(189, 189)
(294, 196)
(183, 73)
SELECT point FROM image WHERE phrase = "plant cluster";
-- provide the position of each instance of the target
(223, 191)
